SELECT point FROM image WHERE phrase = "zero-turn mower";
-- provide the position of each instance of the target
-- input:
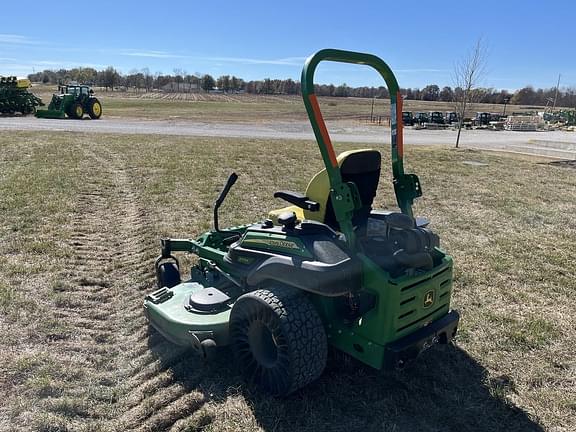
(327, 270)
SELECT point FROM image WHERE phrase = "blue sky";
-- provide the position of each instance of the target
(529, 43)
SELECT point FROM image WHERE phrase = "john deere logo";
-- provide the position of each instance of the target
(429, 299)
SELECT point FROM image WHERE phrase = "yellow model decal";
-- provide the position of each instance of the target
(274, 243)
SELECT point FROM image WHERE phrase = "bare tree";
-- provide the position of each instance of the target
(178, 78)
(148, 79)
(467, 74)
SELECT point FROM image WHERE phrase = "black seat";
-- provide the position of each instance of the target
(362, 169)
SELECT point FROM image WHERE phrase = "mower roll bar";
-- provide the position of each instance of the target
(406, 186)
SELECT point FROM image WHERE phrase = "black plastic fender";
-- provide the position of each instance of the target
(330, 280)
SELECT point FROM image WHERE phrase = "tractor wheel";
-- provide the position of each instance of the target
(278, 339)
(77, 111)
(168, 275)
(94, 109)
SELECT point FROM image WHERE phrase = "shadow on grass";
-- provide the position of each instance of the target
(444, 390)
(561, 163)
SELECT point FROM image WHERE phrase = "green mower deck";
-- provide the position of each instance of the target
(326, 270)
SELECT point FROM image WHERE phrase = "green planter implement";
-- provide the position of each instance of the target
(15, 97)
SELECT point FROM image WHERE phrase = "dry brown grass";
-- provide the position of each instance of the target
(251, 108)
(81, 218)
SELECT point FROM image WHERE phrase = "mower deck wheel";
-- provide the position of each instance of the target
(278, 339)
(168, 275)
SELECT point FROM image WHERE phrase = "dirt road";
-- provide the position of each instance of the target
(553, 144)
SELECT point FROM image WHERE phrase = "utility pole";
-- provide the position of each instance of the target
(506, 100)
(556, 94)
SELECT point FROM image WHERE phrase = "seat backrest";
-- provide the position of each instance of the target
(362, 167)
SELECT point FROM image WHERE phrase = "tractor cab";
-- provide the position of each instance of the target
(76, 90)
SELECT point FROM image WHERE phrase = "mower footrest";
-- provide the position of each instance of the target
(160, 295)
(400, 352)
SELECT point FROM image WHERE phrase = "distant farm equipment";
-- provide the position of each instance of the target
(565, 117)
(15, 97)
(73, 101)
(568, 117)
(436, 117)
(450, 117)
(407, 118)
(524, 123)
(421, 118)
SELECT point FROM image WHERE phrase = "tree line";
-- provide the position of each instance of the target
(180, 81)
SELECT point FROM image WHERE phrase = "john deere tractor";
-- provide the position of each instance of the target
(73, 101)
(328, 270)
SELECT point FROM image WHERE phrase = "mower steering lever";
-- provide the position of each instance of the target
(229, 183)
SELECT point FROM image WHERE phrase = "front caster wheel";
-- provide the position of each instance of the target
(167, 275)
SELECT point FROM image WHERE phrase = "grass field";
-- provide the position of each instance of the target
(251, 108)
(81, 219)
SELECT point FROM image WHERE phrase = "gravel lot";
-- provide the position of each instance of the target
(556, 144)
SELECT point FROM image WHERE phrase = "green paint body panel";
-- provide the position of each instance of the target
(59, 106)
(404, 307)
(399, 310)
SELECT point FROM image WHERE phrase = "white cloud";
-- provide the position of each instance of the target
(66, 64)
(14, 39)
(131, 52)
(146, 53)
(19, 67)
(289, 61)
(421, 70)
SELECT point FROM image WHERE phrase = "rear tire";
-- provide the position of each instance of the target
(94, 109)
(168, 275)
(278, 339)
